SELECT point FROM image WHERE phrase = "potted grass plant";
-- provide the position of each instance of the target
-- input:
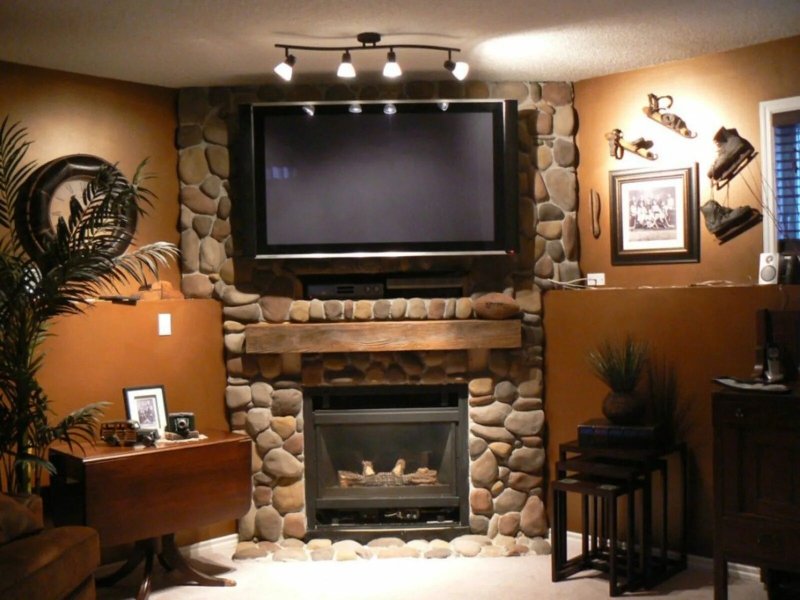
(620, 366)
(74, 265)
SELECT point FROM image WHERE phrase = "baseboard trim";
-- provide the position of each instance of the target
(231, 538)
(744, 572)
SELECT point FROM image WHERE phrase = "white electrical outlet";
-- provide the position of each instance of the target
(595, 279)
(164, 324)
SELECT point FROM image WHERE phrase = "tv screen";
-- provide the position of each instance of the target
(429, 178)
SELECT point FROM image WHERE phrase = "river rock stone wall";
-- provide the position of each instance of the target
(264, 392)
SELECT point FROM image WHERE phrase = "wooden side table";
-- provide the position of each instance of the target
(146, 495)
(601, 463)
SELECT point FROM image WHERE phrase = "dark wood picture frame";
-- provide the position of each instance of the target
(147, 405)
(654, 216)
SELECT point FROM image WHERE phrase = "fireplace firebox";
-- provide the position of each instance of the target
(386, 459)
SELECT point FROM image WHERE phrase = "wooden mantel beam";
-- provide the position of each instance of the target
(381, 336)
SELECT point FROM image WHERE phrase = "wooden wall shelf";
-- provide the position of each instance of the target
(381, 336)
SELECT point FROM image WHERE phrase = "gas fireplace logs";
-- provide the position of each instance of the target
(394, 478)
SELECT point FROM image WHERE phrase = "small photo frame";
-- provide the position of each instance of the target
(148, 406)
(654, 216)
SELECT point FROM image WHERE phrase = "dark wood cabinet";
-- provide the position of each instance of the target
(756, 482)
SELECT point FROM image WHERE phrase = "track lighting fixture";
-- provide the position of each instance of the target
(458, 69)
(355, 108)
(389, 109)
(391, 69)
(309, 109)
(346, 69)
(284, 69)
(369, 41)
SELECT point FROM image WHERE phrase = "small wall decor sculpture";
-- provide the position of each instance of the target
(656, 109)
(617, 146)
(594, 199)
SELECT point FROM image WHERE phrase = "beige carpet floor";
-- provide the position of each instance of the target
(508, 578)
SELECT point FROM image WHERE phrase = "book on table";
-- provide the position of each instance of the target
(602, 432)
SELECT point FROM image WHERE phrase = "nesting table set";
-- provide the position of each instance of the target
(615, 487)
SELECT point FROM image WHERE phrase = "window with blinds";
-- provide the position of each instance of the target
(786, 131)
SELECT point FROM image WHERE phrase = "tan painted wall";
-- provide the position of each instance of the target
(121, 122)
(92, 357)
(709, 92)
(706, 332)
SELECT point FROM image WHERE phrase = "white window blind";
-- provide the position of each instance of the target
(779, 163)
(786, 128)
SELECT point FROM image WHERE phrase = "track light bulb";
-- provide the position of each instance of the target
(308, 109)
(458, 69)
(389, 109)
(346, 69)
(355, 108)
(284, 69)
(391, 69)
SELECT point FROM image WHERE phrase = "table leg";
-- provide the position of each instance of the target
(720, 577)
(147, 578)
(139, 553)
(611, 517)
(175, 559)
(631, 543)
(647, 527)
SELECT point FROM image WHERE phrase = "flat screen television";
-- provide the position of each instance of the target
(340, 179)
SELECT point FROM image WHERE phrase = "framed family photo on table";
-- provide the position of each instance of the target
(654, 216)
(148, 406)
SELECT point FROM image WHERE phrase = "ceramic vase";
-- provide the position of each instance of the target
(624, 408)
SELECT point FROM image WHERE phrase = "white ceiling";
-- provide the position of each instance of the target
(181, 43)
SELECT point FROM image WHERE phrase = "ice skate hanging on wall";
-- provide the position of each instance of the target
(656, 109)
(617, 146)
(734, 153)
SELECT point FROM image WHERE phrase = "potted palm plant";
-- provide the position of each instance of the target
(620, 367)
(77, 262)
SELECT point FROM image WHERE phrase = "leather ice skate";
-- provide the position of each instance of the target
(656, 109)
(734, 153)
(725, 222)
(617, 146)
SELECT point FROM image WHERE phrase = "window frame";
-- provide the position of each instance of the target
(767, 110)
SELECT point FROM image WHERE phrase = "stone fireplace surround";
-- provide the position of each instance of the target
(264, 392)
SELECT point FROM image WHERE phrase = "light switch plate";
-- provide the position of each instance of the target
(164, 324)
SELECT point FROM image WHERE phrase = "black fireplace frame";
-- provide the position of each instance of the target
(446, 403)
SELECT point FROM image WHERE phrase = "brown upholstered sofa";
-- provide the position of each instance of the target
(44, 563)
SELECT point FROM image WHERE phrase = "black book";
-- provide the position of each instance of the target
(601, 432)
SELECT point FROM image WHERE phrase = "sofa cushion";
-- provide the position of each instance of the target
(17, 518)
(49, 564)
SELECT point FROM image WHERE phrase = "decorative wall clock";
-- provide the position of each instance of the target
(46, 196)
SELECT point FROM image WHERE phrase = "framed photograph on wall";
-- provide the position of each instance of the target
(148, 406)
(654, 216)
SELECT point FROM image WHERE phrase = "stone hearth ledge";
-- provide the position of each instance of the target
(323, 549)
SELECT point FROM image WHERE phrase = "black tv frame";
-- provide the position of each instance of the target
(247, 194)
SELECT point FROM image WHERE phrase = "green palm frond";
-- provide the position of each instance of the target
(13, 171)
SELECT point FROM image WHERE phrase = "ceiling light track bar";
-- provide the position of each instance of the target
(289, 47)
(369, 40)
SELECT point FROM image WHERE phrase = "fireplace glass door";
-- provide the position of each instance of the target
(386, 456)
